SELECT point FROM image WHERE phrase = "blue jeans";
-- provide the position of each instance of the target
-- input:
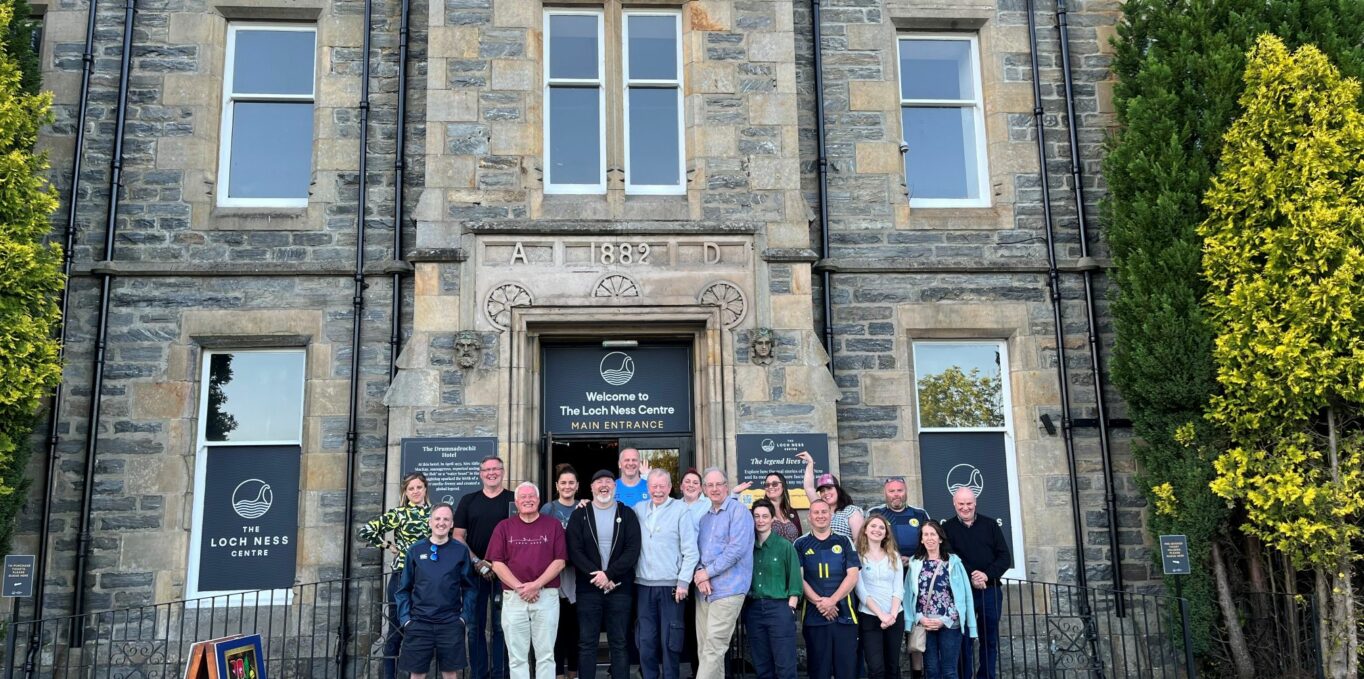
(942, 653)
(988, 603)
(487, 660)
(770, 627)
(660, 632)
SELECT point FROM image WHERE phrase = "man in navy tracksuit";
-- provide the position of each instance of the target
(829, 566)
(436, 581)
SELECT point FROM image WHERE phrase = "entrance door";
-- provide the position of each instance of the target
(597, 401)
(587, 455)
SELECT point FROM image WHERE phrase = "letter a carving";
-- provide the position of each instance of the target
(519, 253)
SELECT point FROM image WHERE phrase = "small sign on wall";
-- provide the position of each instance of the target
(18, 581)
(762, 454)
(1174, 554)
(249, 533)
(450, 464)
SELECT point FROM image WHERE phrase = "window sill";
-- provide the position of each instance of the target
(961, 218)
(260, 219)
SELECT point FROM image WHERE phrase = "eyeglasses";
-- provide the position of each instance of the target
(491, 469)
(773, 484)
(435, 556)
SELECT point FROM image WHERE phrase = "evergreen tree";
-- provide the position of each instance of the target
(1284, 259)
(30, 276)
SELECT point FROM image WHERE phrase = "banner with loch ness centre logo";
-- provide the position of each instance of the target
(950, 461)
(249, 530)
(761, 454)
(589, 389)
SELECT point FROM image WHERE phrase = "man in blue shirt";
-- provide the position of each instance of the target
(631, 488)
(437, 578)
(905, 519)
(829, 566)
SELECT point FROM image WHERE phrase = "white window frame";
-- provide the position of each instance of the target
(599, 82)
(1017, 572)
(230, 98)
(675, 84)
(977, 105)
(218, 598)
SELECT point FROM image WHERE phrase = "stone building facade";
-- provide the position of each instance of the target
(500, 261)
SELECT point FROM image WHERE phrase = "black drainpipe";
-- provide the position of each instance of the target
(357, 317)
(54, 421)
(1088, 266)
(400, 265)
(1054, 292)
(826, 276)
(102, 324)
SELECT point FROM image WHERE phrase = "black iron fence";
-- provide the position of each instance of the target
(300, 629)
(1045, 630)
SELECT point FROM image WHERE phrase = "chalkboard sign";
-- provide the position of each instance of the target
(249, 536)
(1174, 554)
(449, 464)
(761, 454)
(19, 575)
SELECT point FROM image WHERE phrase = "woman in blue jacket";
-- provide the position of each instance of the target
(938, 593)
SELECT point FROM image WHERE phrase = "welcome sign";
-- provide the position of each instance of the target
(595, 390)
(249, 536)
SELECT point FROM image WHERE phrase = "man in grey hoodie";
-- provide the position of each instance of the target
(667, 558)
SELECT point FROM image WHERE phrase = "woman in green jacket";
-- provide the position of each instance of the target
(408, 523)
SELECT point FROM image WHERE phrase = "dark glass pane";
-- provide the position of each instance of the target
(941, 161)
(272, 150)
(653, 136)
(572, 46)
(574, 135)
(959, 385)
(274, 62)
(936, 69)
(255, 396)
(653, 47)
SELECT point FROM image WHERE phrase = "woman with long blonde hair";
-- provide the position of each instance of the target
(880, 592)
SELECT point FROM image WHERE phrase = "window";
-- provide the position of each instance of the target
(943, 121)
(247, 473)
(966, 433)
(578, 98)
(266, 145)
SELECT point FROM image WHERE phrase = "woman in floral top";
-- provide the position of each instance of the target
(938, 592)
(408, 522)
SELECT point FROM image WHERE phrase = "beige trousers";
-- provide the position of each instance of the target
(715, 622)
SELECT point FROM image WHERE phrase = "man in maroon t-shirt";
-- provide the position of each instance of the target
(527, 552)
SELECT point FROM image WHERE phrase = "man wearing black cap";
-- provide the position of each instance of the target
(604, 544)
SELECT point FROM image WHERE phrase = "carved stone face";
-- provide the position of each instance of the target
(468, 347)
(762, 346)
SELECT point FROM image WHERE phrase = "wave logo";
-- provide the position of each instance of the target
(252, 499)
(965, 476)
(617, 368)
(768, 445)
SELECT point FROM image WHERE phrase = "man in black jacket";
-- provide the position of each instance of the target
(603, 544)
(979, 541)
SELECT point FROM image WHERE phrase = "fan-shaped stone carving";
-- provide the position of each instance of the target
(729, 298)
(615, 285)
(502, 299)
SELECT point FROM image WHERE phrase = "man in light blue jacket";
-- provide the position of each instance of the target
(667, 558)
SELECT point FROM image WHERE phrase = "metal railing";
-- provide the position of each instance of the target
(1045, 630)
(299, 630)
(1055, 630)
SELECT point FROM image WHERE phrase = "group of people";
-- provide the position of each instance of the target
(513, 579)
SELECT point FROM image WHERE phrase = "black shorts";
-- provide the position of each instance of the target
(423, 640)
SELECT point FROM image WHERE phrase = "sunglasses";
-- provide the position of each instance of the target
(773, 484)
(435, 556)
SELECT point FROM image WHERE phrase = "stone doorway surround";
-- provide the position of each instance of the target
(712, 371)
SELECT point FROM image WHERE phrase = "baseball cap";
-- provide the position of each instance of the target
(603, 474)
(825, 480)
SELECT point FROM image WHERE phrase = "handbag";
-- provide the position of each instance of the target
(918, 634)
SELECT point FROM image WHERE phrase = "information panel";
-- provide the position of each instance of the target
(590, 389)
(761, 454)
(249, 536)
(449, 464)
(975, 460)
